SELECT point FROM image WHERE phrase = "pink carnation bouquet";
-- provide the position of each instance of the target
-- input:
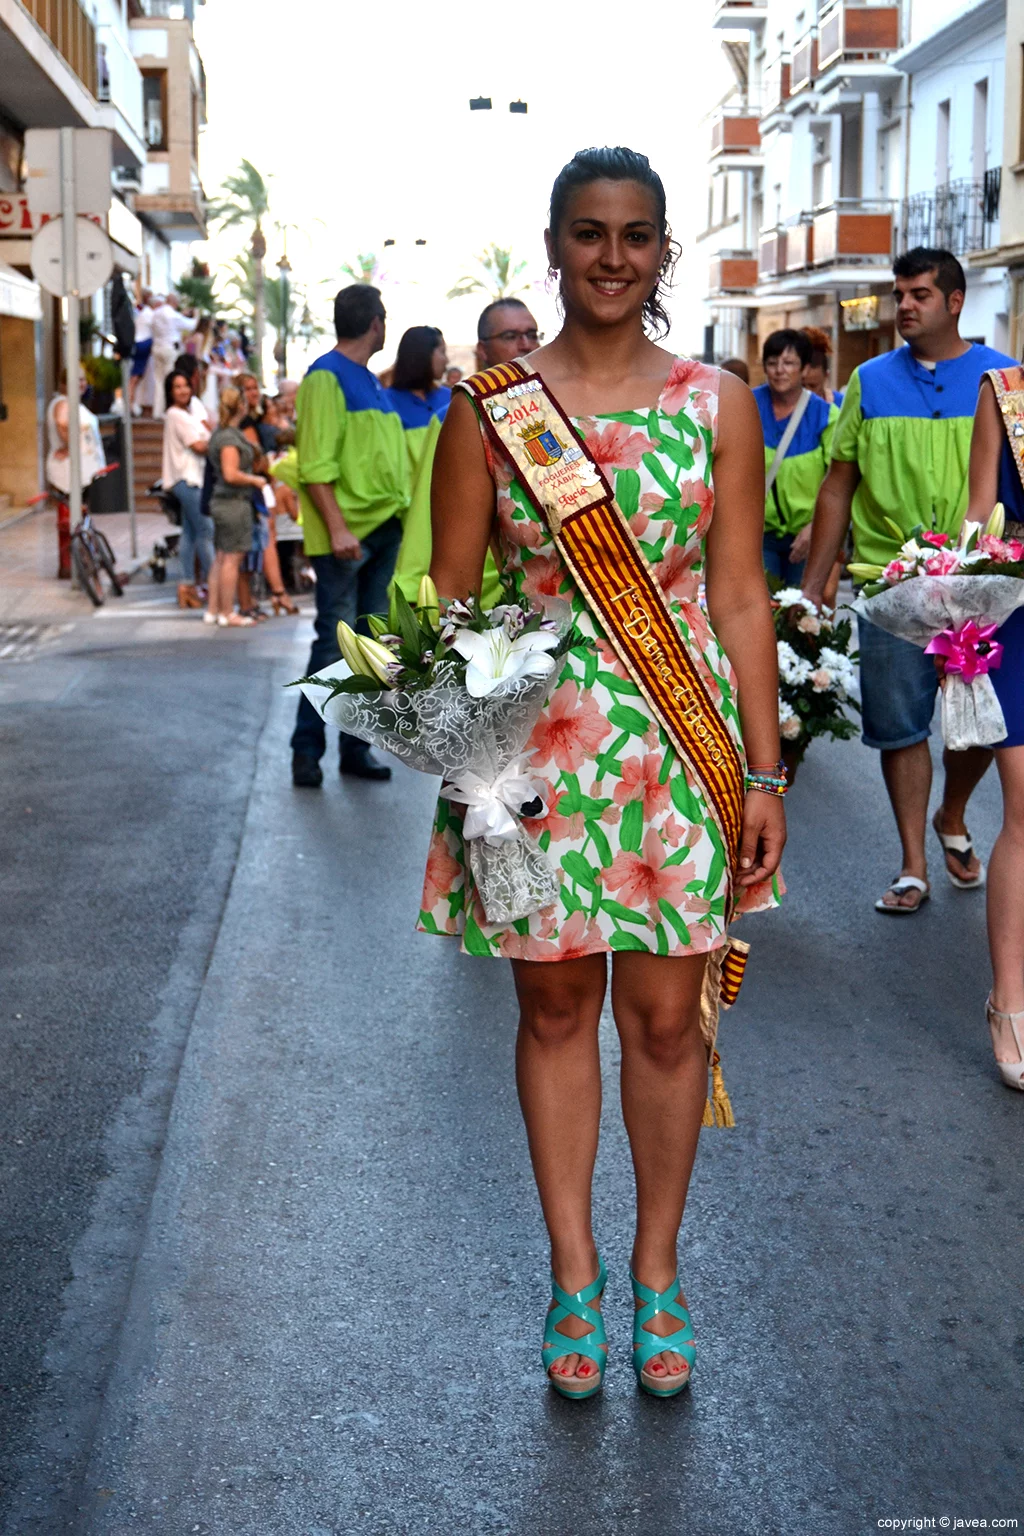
(950, 598)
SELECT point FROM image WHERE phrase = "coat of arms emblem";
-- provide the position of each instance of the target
(541, 443)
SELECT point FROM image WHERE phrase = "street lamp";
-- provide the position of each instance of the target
(284, 267)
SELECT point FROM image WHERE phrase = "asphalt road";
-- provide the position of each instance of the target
(275, 1264)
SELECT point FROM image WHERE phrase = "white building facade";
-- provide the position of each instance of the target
(846, 133)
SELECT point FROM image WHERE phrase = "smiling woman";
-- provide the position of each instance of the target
(618, 477)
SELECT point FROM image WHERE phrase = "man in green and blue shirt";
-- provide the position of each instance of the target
(789, 504)
(900, 454)
(354, 479)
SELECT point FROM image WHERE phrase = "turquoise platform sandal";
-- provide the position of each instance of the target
(646, 1344)
(593, 1345)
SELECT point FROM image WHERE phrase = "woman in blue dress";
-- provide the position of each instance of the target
(997, 474)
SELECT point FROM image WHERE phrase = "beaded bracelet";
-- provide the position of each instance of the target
(773, 781)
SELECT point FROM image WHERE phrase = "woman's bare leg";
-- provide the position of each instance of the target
(558, 1072)
(1005, 912)
(656, 1003)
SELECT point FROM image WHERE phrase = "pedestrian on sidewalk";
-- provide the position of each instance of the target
(257, 425)
(354, 476)
(186, 441)
(797, 428)
(232, 456)
(641, 876)
(997, 474)
(169, 326)
(900, 456)
(58, 458)
(142, 348)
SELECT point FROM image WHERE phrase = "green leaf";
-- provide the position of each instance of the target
(606, 759)
(591, 807)
(672, 917)
(544, 842)
(627, 491)
(666, 766)
(614, 684)
(655, 552)
(631, 828)
(601, 843)
(679, 857)
(657, 470)
(522, 926)
(578, 870)
(591, 662)
(407, 623)
(427, 922)
(625, 718)
(715, 873)
(662, 939)
(624, 914)
(620, 940)
(631, 418)
(572, 798)
(684, 799)
(679, 452)
(570, 901)
(473, 939)
(443, 815)
(686, 424)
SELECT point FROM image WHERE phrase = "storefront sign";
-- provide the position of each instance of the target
(860, 314)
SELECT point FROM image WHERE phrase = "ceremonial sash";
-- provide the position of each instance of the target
(571, 495)
(1007, 384)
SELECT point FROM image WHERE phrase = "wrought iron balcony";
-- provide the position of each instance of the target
(961, 217)
(849, 33)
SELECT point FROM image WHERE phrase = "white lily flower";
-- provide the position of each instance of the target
(494, 659)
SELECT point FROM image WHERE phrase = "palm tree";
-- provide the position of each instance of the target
(245, 199)
(497, 277)
(283, 301)
(365, 269)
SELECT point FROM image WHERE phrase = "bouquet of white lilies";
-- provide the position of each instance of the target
(458, 694)
(950, 598)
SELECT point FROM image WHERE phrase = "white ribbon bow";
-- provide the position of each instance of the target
(493, 809)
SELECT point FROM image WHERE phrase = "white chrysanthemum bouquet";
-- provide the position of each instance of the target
(817, 674)
(950, 599)
(458, 694)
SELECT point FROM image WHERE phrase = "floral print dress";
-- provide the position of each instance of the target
(639, 857)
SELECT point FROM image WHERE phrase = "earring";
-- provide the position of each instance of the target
(552, 271)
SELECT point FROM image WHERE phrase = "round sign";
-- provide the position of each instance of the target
(95, 259)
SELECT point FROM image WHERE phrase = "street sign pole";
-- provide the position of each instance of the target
(69, 231)
(129, 449)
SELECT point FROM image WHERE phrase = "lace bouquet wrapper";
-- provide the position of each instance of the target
(466, 717)
(950, 600)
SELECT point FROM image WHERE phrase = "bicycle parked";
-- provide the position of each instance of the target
(89, 553)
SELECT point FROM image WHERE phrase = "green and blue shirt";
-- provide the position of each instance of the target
(349, 435)
(908, 430)
(789, 505)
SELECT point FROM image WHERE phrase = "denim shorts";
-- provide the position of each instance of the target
(898, 685)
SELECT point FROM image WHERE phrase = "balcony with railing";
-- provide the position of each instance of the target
(771, 253)
(119, 86)
(849, 32)
(962, 216)
(735, 15)
(71, 32)
(775, 85)
(733, 272)
(736, 132)
(805, 62)
(853, 232)
(800, 246)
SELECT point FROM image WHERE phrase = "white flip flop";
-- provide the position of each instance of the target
(961, 848)
(898, 888)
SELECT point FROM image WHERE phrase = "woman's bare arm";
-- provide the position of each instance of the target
(740, 612)
(986, 449)
(461, 503)
(231, 471)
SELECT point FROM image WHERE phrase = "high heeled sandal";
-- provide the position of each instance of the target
(1011, 1072)
(282, 603)
(646, 1344)
(593, 1345)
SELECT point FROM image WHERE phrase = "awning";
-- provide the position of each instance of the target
(19, 296)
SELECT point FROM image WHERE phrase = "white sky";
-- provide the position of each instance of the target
(359, 114)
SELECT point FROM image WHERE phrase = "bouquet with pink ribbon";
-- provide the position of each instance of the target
(950, 599)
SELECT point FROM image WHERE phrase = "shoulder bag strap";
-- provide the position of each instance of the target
(787, 439)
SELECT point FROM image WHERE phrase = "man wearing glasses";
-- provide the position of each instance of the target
(506, 330)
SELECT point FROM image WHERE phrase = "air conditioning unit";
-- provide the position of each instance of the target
(127, 178)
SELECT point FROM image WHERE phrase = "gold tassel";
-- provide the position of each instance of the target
(708, 1117)
(723, 1115)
